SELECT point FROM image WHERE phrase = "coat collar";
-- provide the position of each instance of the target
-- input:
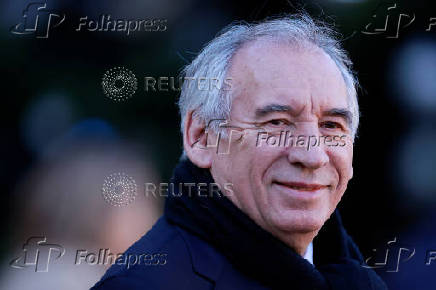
(210, 264)
(206, 260)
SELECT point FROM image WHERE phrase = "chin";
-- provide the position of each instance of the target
(302, 221)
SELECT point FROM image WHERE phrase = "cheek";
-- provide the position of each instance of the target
(242, 162)
(341, 158)
(266, 160)
(256, 162)
(249, 151)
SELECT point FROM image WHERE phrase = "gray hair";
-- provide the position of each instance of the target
(214, 61)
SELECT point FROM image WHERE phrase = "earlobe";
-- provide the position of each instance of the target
(195, 141)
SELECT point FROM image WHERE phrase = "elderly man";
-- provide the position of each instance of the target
(249, 212)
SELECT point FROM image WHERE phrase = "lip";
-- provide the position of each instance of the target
(301, 186)
(300, 190)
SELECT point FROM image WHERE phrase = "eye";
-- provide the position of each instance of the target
(275, 125)
(331, 125)
(278, 122)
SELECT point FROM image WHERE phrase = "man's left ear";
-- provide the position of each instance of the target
(195, 141)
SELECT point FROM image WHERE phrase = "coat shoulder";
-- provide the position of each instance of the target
(159, 260)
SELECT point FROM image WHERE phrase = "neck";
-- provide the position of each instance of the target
(297, 241)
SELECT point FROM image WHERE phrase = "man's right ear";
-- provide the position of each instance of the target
(195, 141)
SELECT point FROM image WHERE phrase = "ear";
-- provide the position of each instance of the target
(195, 141)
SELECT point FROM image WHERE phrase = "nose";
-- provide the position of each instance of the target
(311, 155)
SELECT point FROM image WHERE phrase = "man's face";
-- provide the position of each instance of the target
(278, 87)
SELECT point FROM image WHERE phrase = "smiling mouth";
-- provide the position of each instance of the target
(301, 186)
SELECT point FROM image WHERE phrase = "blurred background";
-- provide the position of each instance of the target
(62, 137)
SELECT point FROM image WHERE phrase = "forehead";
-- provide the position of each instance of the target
(302, 77)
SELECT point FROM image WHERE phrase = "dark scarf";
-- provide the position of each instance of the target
(254, 251)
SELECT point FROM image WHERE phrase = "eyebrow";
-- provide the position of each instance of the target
(343, 113)
(272, 108)
(335, 112)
